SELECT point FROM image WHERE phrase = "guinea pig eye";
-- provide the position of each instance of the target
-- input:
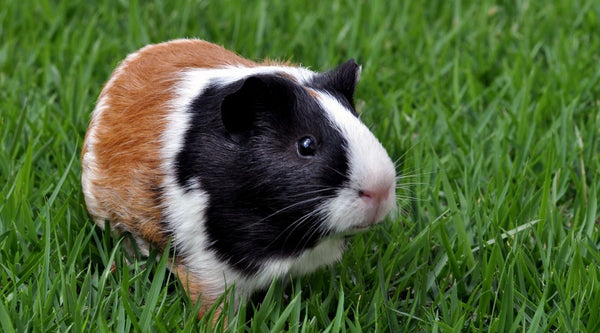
(307, 146)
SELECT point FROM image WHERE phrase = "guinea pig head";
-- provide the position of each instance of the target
(287, 164)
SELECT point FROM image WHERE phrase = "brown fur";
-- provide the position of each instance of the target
(128, 168)
(196, 289)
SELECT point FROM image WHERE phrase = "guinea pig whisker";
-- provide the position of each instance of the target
(310, 234)
(311, 192)
(282, 210)
(403, 155)
(406, 181)
(413, 174)
(325, 229)
(325, 215)
(408, 186)
(295, 225)
(307, 215)
(408, 198)
(314, 186)
(413, 182)
(336, 171)
(253, 225)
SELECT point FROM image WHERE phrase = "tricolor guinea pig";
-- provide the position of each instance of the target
(252, 170)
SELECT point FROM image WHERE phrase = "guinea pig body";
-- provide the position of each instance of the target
(254, 171)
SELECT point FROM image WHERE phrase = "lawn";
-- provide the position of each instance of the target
(491, 109)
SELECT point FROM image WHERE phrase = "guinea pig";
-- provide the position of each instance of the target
(251, 171)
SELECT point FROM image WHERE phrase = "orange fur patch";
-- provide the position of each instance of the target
(128, 172)
(197, 290)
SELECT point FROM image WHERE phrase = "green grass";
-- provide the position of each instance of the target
(493, 109)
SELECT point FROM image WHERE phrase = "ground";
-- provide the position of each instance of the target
(491, 110)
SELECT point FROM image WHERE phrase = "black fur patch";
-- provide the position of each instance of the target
(263, 196)
(340, 82)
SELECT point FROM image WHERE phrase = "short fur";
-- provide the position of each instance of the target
(190, 141)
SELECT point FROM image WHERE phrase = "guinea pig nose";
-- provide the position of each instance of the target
(378, 194)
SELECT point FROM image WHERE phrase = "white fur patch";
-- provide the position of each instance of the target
(369, 167)
(327, 252)
(89, 167)
(185, 210)
(195, 80)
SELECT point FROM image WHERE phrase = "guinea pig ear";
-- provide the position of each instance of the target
(342, 79)
(250, 97)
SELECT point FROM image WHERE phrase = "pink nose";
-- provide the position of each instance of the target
(378, 194)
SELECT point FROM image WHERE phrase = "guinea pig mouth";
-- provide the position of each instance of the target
(371, 218)
(366, 224)
(358, 229)
(363, 227)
